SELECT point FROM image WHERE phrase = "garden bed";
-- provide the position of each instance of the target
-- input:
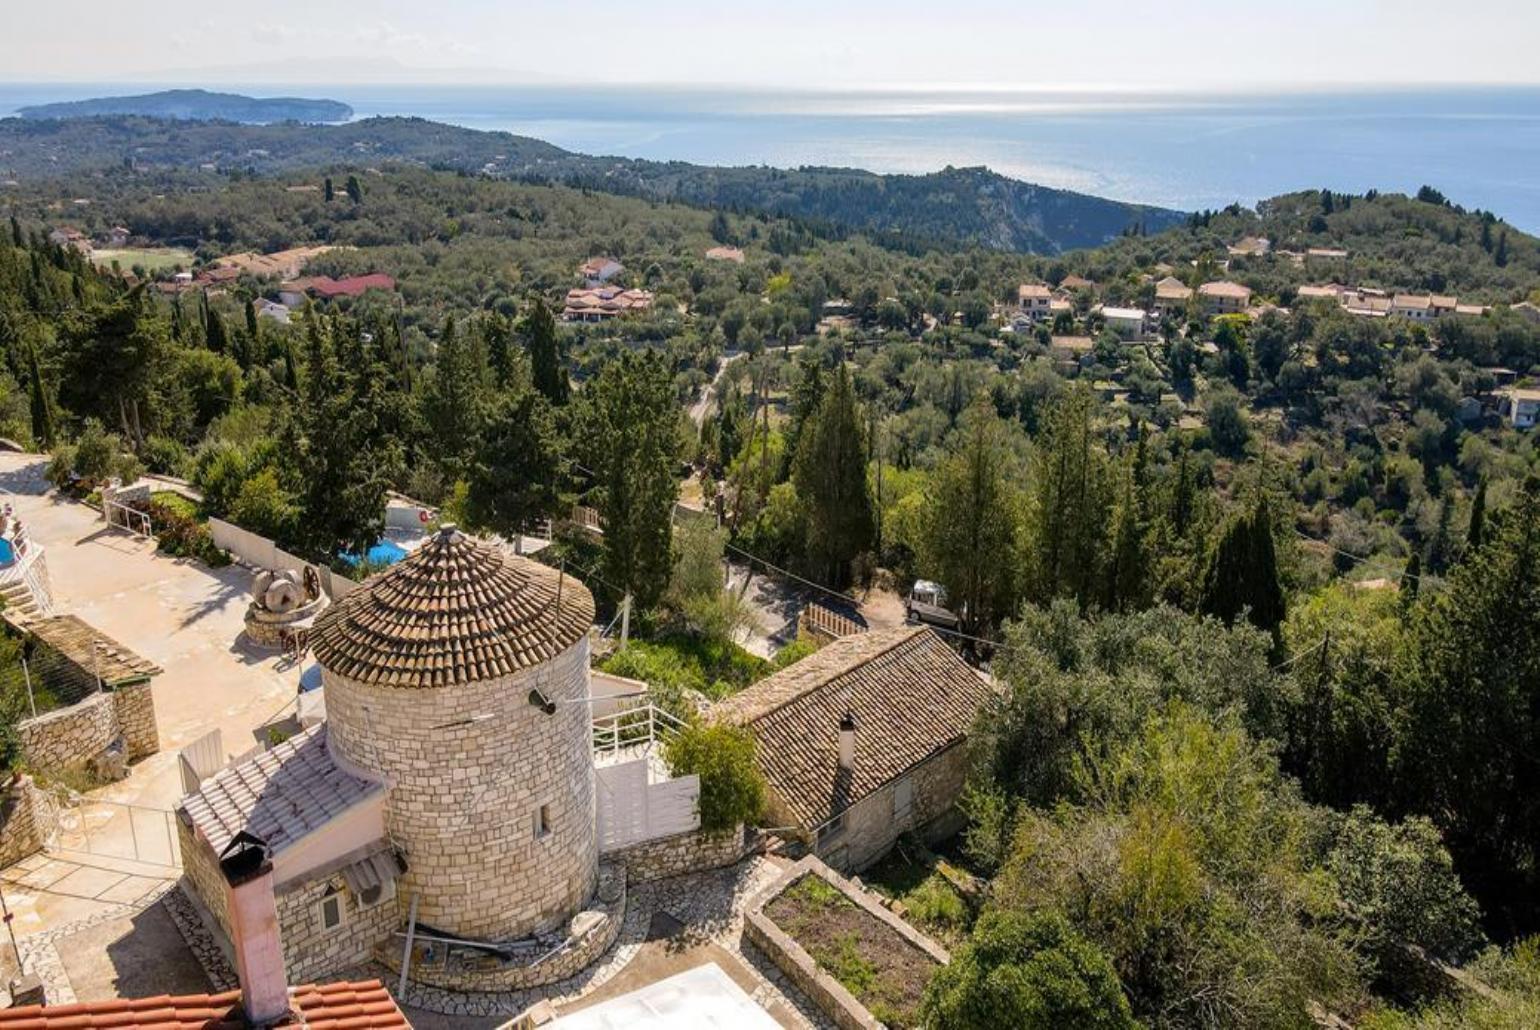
(860, 963)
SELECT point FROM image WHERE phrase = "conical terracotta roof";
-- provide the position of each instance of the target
(456, 610)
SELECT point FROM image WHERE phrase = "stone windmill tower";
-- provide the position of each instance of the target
(430, 671)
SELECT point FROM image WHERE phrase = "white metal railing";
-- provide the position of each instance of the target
(634, 727)
(122, 516)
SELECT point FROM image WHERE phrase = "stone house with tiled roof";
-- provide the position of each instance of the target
(864, 740)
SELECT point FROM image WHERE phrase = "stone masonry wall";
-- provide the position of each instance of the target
(466, 791)
(575, 947)
(135, 708)
(874, 823)
(682, 853)
(69, 736)
(26, 821)
(73, 736)
(200, 868)
(831, 997)
(312, 953)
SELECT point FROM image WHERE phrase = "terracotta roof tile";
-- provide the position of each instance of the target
(911, 697)
(280, 795)
(364, 1005)
(456, 610)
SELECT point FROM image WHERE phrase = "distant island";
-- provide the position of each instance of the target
(198, 105)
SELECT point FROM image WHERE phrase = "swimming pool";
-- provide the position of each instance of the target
(386, 552)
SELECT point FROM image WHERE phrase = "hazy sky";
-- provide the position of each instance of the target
(1027, 43)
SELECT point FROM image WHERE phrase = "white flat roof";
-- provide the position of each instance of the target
(703, 998)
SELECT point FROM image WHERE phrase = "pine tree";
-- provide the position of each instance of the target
(1475, 532)
(1469, 728)
(42, 406)
(629, 427)
(972, 536)
(805, 398)
(453, 404)
(517, 475)
(1128, 563)
(1072, 505)
(499, 350)
(830, 478)
(547, 370)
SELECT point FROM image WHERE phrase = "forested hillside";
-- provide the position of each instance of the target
(968, 205)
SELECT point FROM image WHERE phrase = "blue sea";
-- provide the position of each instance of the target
(1480, 146)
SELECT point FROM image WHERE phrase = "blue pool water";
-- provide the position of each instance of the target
(386, 552)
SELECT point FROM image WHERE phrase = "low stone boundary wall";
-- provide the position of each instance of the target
(73, 736)
(692, 852)
(823, 990)
(27, 821)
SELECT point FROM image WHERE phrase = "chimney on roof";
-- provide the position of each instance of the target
(848, 743)
(248, 871)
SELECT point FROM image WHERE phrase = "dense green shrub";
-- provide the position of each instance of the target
(732, 789)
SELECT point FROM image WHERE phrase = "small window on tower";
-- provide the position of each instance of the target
(542, 821)
(331, 909)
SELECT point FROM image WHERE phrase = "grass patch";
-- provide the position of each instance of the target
(673, 664)
(174, 501)
(151, 259)
(930, 900)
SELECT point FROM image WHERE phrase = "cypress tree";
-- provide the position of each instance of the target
(1441, 547)
(218, 339)
(42, 408)
(830, 478)
(329, 190)
(1243, 573)
(547, 371)
(1476, 532)
(355, 189)
(1411, 577)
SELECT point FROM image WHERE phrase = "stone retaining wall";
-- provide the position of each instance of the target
(73, 736)
(692, 852)
(69, 736)
(135, 708)
(590, 934)
(26, 821)
(790, 958)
